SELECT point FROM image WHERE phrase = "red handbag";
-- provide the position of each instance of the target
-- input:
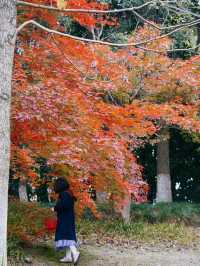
(50, 224)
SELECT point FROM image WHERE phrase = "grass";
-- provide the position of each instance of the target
(139, 231)
(46, 253)
(149, 224)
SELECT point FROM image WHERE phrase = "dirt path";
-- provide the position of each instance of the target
(132, 257)
(110, 256)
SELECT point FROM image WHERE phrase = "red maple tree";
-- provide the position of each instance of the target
(60, 110)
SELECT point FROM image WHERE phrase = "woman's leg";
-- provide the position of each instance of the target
(75, 254)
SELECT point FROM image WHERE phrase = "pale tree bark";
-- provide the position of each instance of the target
(126, 210)
(198, 36)
(164, 191)
(7, 43)
(101, 197)
(22, 191)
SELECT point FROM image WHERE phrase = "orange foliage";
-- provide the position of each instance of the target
(59, 111)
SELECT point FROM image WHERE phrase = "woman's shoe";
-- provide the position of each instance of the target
(67, 258)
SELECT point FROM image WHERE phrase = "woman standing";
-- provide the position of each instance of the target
(65, 237)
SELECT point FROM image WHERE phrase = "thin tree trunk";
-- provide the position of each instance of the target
(198, 36)
(126, 210)
(23, 192)
(101, 197)
(7, 42)
(164, 191)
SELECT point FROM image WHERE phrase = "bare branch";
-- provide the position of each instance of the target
(67, 58)
(100, 32)
(182, 10)
(145, 20)
(168, 50)
(139, 47)
(138, 88)
(93, 33)
(162, 28)
(23, 3)
(83, 74)
(103, 42)
(95, 11)
(133, 9)
(111, 97)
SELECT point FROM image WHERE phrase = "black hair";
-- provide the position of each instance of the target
(61, 185)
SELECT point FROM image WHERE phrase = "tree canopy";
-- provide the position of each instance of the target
(86, 107)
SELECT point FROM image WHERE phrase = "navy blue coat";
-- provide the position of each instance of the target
(65, 229)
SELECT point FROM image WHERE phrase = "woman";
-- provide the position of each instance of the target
(65, 236)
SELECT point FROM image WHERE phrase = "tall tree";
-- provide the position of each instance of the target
(164, 189)
(7, 44)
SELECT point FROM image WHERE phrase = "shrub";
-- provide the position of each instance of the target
(166, 212)
(26, 220)
(25, 226)
(187, 213)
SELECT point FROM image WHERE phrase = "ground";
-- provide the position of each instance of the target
(165, 254)
(143, 257)
(117, 244)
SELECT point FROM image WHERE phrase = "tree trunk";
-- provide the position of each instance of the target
(164, 191)
(101, 197)
(126, 210)
(7, 43)
(23, 192)
(198, 36)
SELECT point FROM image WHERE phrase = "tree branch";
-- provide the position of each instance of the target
(23, 3)
(84, 75)
(133, 9)
(182, 10)
(168, 50)
(69, 60)
(162, 28)
(103, 42)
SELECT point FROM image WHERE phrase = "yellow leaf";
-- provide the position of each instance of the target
(61, 4)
